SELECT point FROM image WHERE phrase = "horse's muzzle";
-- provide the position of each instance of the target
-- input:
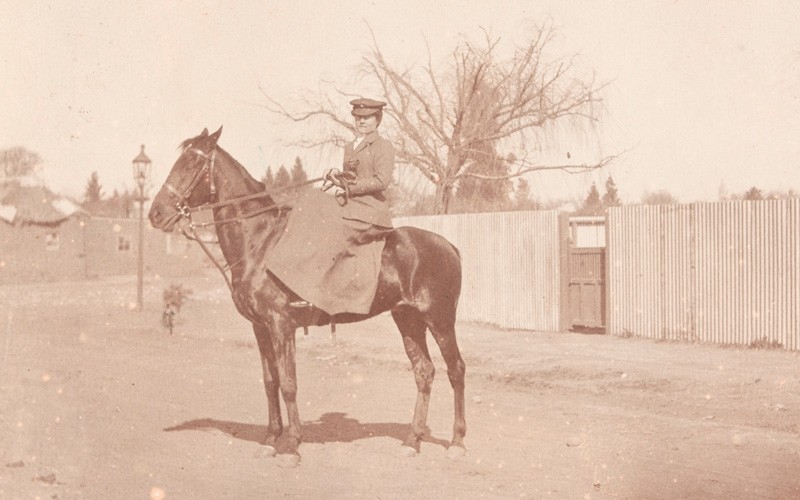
(161, 221)
(155, 216)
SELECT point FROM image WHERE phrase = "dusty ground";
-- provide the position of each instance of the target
(98, 401)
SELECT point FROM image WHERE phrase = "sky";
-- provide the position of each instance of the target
(701, 96)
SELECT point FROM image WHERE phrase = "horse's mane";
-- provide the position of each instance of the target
(183, 146)
(188, 142)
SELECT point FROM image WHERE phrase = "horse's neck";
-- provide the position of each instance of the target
(233, 181)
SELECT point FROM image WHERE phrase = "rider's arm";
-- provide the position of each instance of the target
(382, 167)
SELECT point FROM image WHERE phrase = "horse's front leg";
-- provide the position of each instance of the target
(283, 342)
(271, 386)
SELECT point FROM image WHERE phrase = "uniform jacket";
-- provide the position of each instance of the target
(373, 162)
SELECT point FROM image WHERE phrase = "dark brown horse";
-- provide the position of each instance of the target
(419, 282)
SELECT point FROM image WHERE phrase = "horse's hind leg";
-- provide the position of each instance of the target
(444, 332)
(413, 328)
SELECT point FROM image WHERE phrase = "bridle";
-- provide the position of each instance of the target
(209, 161)
(186, 211)
(208, 167)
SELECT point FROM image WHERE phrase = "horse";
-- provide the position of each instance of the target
(419, 282)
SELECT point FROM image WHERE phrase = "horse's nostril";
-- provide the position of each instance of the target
(155, 215)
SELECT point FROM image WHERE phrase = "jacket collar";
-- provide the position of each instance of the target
(368, 139)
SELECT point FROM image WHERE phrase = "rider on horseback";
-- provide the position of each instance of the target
(330, 252)
(329, 255)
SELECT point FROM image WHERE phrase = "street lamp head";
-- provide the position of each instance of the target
(141, 167)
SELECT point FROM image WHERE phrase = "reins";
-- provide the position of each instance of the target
(222, 271)
(186, 211)
(254, 196)
(208, 167)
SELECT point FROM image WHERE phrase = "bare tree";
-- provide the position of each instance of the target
(447, 121)
(18, 162)
(659, 197)
(753, 194)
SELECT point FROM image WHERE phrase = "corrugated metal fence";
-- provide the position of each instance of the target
(510, 265)
(727, 273)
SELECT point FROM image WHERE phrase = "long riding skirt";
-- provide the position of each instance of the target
(325, 259)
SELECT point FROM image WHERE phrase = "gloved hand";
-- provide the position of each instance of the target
(335, 177)
(343, 196)
(330, 178)
(330, 174)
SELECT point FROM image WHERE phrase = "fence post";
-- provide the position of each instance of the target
(564, 246)
(607, 273)
(693, 270)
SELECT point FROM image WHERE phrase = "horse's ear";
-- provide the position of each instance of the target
(215, 135)
(204, 133)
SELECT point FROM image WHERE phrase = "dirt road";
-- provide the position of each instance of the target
(99, 401)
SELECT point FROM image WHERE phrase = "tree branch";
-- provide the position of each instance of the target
(315, 111)
(570, 169)
(449, 122)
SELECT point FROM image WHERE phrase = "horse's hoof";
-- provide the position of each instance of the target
(407, 451)
(265, 451)
(456, 452)
(288, 460)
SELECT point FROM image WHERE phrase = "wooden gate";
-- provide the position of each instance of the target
(586, 289)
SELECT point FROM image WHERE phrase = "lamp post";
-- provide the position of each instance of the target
(141, 170)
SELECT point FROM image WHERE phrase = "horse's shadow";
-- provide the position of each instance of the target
(330, 428)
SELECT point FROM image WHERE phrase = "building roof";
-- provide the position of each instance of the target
(21, 203)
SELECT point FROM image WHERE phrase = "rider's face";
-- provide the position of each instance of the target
(365, 125)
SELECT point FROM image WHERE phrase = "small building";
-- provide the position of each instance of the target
(41, 234)
(47, 237)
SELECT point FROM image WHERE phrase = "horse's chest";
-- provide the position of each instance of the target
(253, 298)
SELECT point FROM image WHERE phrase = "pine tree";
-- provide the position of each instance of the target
(282, 178)
(298, 172)
(611, 197)
(113, 205)
(522, 196)
(592, 205)
(268, 179)
(94, 191)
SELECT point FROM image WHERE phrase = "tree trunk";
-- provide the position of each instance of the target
(444, 188)
(441, 201)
